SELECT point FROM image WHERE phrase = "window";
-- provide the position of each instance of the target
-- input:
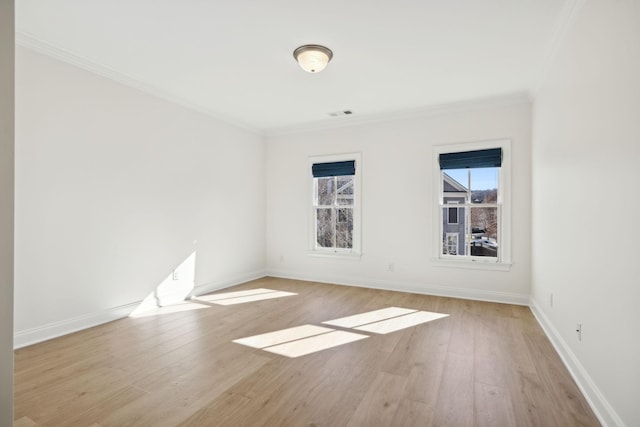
(334, 211)
(474, 176)
(451, 244)
(335, 206)
(452, 216)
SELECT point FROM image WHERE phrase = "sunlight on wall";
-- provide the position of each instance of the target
(169, 296)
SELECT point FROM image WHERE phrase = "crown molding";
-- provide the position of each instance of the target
(29, 41)
(564, 23)
(422, 112)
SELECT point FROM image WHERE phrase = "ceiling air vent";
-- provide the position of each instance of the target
(341, 113)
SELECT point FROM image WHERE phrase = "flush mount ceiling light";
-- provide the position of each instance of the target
(313, 58)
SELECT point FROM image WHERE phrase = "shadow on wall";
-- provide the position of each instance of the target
(172, 291)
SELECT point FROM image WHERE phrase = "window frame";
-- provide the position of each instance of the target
(355, 251)
(503, 261)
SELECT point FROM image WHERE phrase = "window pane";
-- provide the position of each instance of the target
(344, 190)
(450, 244)
(326, 191)
(453, 233)
(453, 216)
(484, 185)
(344, 228)
(324, 227)
(484, 232)
(455, 181)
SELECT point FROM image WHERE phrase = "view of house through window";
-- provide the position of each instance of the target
(470, 228)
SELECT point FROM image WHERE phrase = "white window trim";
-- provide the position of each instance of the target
(356, 251)
(503, 263)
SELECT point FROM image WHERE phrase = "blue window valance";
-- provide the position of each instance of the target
(489, 158)
(320, 170)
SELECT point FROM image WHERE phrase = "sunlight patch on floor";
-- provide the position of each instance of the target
(282, 336)
(316, 343)
(232, 298)
(401, 322)
(225, 295)
(168, 309)
(300, 340)
(385, 320)
(306, 339)
(369, 317)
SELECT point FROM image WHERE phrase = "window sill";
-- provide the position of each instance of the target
(355, 256)
(472, 264)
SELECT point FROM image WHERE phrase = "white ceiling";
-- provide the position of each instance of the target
(233, 58)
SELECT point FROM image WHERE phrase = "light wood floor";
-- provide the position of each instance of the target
(485, 365)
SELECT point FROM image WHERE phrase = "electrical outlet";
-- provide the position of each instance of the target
(551, 299)
(174, 275)
(579, 331)
(391, 267)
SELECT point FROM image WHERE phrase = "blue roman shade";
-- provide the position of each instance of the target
(320, 170)
(489, 158)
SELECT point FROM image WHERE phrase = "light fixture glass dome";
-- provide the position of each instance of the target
(313, 58)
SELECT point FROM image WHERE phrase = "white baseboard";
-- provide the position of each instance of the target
(412, 287)
(599, 404)
(67, 326)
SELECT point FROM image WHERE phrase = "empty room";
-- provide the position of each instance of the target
(337, 213)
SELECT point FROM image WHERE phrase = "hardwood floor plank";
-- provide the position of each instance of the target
(53, 404)
(412, 414)
(179, 393)
(425, 379)
(349, 375)
(454, 406)
(218, 412)
(558, 383)
(492, 406)
(99, 410)
(284, 394)
(380, 404)
(25, 422)
(492, 355)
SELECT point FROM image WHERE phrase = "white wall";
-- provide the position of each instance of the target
(586, 171)
(113, 186)
(397, 200)
(6, 209)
